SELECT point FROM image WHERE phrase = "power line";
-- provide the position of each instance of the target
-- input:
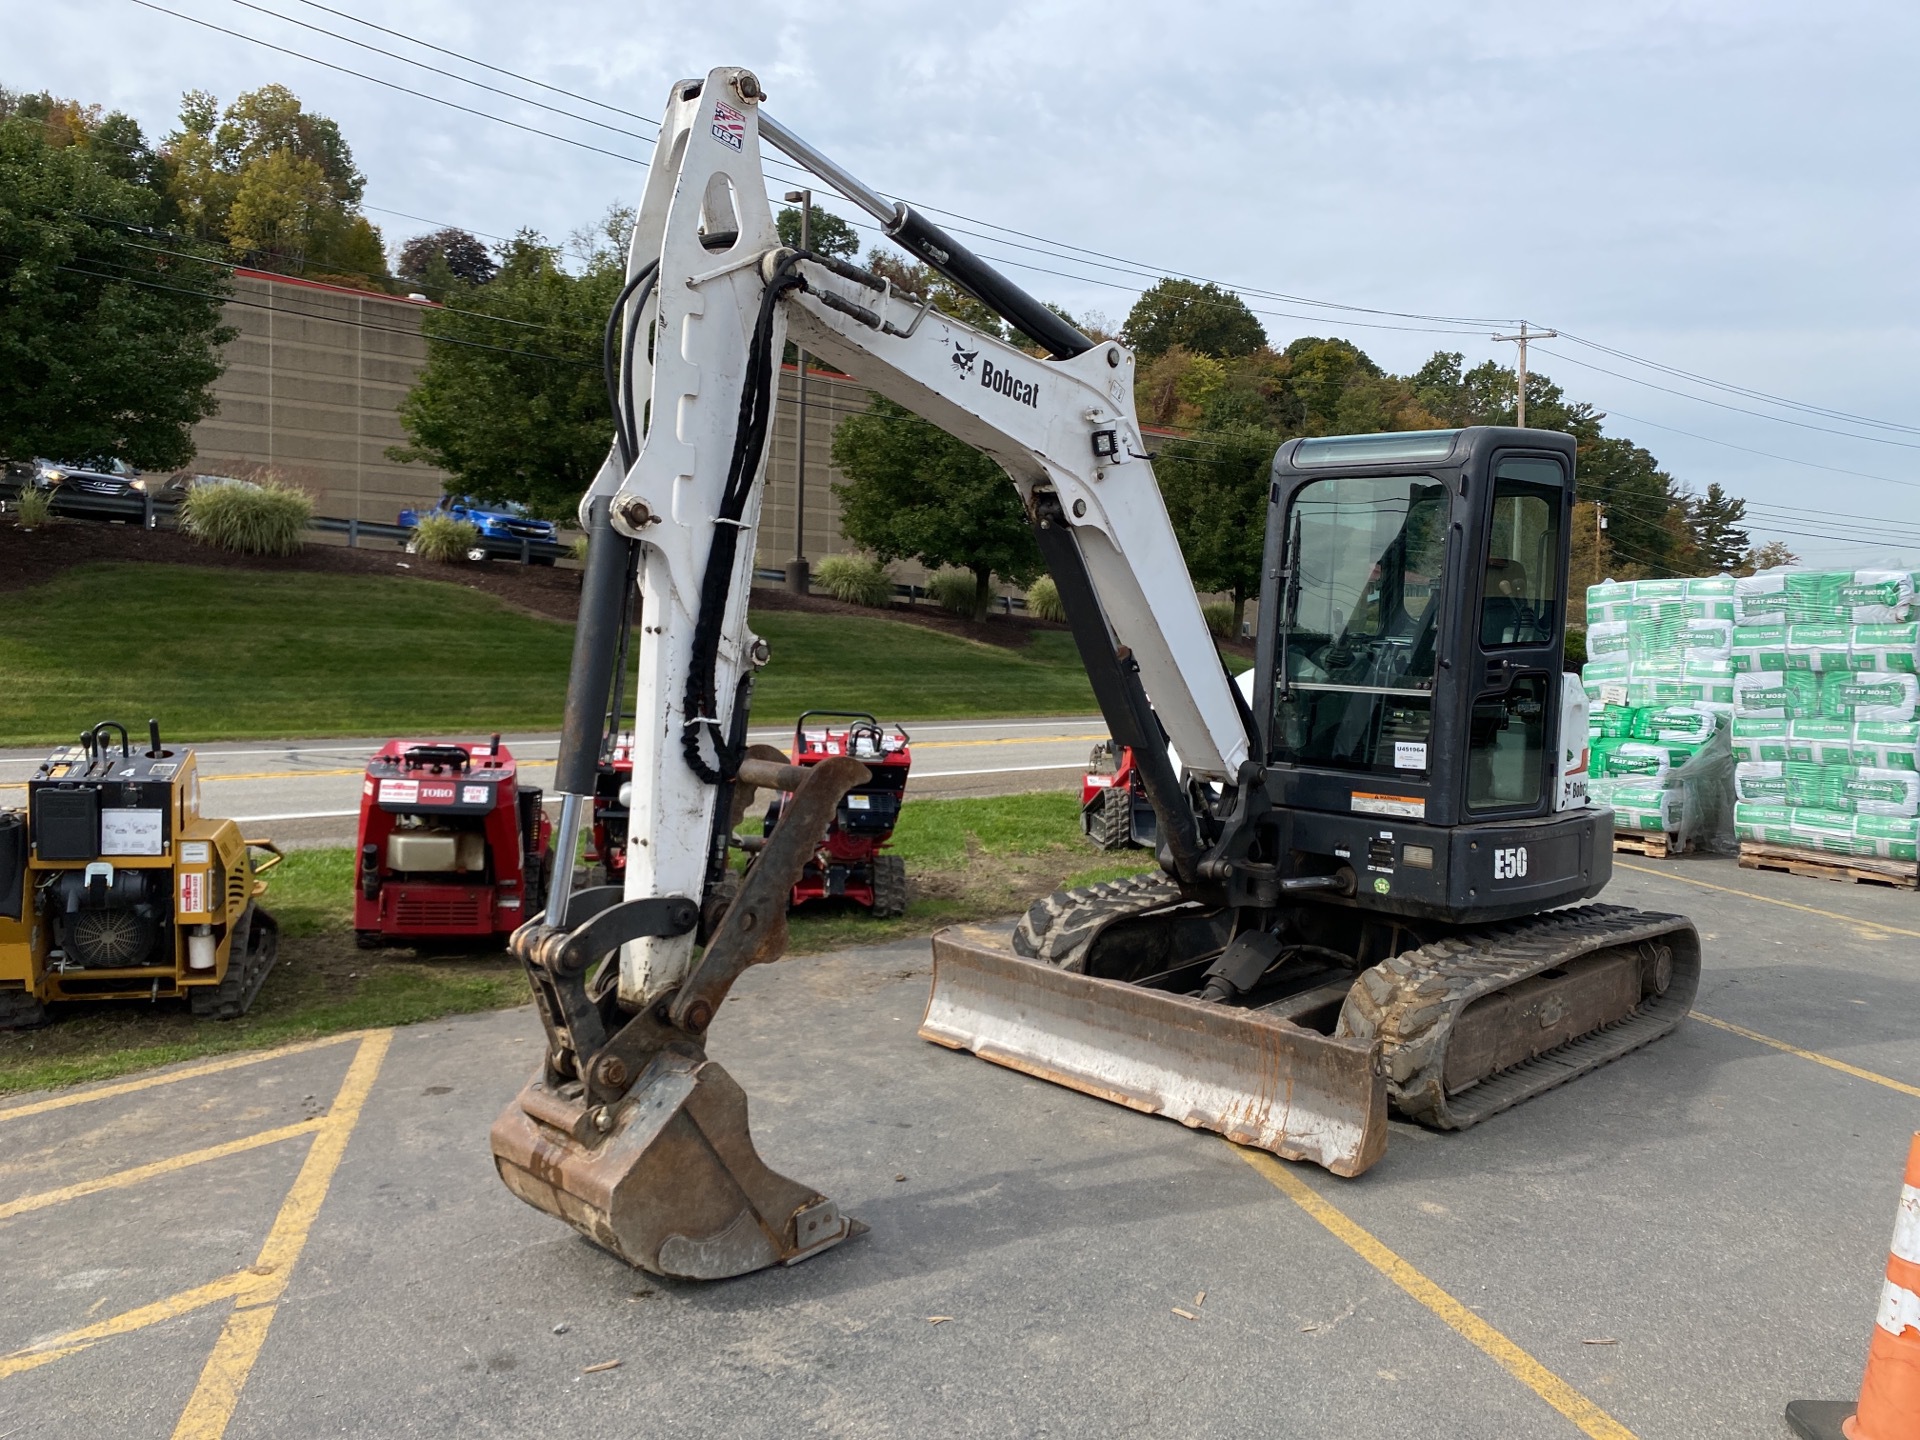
(1703, 400)
(1764, 454)
(387, 84)
(1740, 389)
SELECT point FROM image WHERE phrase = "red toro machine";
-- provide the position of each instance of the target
(612, 803)
(452, 845)
(1115, 813)
(852, 863)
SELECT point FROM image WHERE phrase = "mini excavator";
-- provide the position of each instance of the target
(1367, 897)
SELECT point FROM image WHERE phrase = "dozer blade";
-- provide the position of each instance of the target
(1253, 1078)
(629, 1133)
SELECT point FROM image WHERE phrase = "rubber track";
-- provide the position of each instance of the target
(1055, 930)
(1110, 824)
(232, 997)
(1412, 1001)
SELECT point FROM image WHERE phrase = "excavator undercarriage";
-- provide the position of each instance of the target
(1103, 990)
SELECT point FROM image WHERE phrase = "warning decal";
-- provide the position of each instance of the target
(193, 892)
(729, 126)
(399, 792)
(1413, 807)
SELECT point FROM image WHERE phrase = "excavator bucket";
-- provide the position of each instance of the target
(673, 1185)
(1254, 1078)
(629, 1133)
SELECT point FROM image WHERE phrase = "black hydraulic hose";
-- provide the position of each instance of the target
(624, 441)
(716, 582)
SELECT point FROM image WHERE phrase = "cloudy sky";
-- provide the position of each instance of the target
(1721, 189)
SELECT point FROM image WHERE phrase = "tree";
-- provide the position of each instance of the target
(1769, 556)
(458, 254)
(1199, 316)
(274, 182)
(1215, 486)
(829, 233)
(914, 492)
(1715, 521)
(512, 412)
(908, 277)
(106, 348)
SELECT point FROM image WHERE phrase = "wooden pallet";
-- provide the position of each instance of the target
(1818, 865)
(1654, 845)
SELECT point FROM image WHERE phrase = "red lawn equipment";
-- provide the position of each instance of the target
(1114, 811)
(851, 864)
(612, 802)
(452, 846)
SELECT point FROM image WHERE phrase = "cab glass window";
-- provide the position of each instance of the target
(1360, 617)
(1520, 594)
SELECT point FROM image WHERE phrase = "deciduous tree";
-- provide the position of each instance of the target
(914, 492)
(517, 411)
(107, 348)
(1198, 316)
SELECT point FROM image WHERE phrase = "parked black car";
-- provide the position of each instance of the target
(105, 489)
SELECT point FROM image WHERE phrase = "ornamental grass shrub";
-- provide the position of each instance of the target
(856, 579)
(33, 509)
(270, 518)
(1043, 600)
(443, 538)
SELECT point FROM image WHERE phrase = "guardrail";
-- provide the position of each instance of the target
(151, 512)
(913, 594)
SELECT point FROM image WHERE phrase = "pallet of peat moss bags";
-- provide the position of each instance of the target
(1659, 682)
(1826, 714)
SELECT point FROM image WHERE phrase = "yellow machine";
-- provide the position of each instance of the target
(113, 886)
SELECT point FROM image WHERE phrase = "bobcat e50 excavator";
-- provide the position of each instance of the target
(1359, 866)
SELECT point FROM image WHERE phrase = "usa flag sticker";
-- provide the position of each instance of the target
(729, 125)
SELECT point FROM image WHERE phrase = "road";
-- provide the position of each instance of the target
(312, 1242)
(306, 792)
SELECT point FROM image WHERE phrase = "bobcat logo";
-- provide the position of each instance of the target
(963, 359)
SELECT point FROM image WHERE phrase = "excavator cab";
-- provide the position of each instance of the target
(1411, 695)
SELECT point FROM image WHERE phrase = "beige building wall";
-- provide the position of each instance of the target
(312, 387)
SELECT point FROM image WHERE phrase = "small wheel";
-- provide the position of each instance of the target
(366, 939)
(889, 887)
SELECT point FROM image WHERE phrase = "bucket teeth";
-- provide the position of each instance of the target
(667, 1178)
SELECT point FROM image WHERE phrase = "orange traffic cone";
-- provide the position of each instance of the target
(1889, 1407)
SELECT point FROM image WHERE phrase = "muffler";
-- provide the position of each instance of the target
(629, 1133)
(1257, 1079)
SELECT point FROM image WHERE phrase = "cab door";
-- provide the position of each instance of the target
(1519, 637)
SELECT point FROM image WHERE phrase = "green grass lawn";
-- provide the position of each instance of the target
(966, 860)
(221, 654)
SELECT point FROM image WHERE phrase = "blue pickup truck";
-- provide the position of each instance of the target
(507, 531)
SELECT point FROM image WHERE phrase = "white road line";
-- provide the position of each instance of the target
(299, 815)
(999, 770)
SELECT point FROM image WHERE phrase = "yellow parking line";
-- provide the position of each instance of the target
(1589, 1417)
(192, 1072)
(226, 1371)
(120, 1179)
(1768, 899)
(1009, 740)
(171, 1308)
(1814, 1055)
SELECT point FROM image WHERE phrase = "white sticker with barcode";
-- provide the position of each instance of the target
(1409, 754)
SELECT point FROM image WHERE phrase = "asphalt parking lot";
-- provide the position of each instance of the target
(312, 1242)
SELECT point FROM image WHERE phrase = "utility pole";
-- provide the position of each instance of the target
(1520, 391)
(797, 569)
